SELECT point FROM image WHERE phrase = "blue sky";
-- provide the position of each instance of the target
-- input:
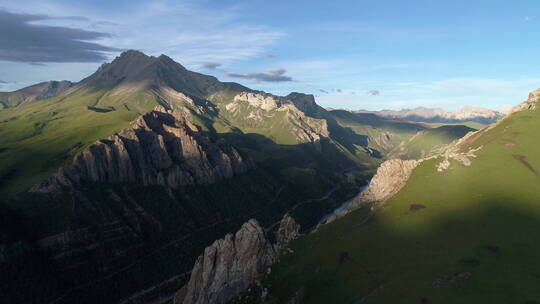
(349, 54)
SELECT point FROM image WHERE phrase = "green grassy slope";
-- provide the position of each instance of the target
(431, 141)
(384, 134)
(480, 222)
(38, 138)
(8, 100)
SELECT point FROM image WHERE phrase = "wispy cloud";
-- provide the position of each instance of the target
(277, 75)
(2, 82)
(104, 24)
(528, 19)
(211, 65)
(22, 40)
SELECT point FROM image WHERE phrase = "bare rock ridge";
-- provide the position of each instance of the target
(161, 148)
(233, 263)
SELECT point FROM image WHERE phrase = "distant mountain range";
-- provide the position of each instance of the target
(437, 115)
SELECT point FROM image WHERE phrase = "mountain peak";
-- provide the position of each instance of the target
(134, 70)
(132, 54)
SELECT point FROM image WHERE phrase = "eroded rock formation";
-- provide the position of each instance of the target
(233, 263)
(288, 230)
(464, 158)
(161, 148)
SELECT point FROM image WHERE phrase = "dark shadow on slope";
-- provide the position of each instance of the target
(101, 110)
(523, 161)
(470, 255)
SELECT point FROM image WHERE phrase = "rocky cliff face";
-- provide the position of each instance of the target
(391, 176)
(231, 264)
(161, 148)
(288, 230)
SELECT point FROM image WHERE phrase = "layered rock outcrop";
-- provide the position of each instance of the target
(264, 101)
(161, 148)
(233, 263)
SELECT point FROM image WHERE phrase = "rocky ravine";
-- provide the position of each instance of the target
(230, 265)
(161, 148)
